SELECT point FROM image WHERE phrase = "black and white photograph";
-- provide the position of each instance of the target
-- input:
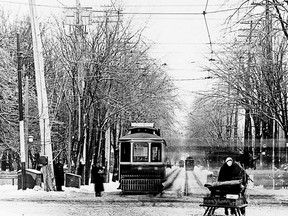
(144, 107)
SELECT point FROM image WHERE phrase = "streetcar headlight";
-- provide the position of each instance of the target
(139, 168)
(155, 168)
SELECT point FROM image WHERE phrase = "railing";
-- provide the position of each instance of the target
(11, 176)
(141, 185)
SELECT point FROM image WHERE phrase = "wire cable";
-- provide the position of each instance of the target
(206, 5)
(207, 28)
(39, 5)
(131, 13)
(61, 3)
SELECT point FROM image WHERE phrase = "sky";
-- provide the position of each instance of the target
(182, 38)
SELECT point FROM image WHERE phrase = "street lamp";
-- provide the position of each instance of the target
(30, 139)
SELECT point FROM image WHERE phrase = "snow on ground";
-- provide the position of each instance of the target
(10, 192)
(82, 201)
(201, 174)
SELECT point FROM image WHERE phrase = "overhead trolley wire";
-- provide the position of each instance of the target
(207, 28)
(39, 5)
(170, 5)
(61, 3)
(206, 5)
(172, 13)
(130, 13)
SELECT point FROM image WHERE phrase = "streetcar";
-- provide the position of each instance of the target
(189, 164)
(142, 160)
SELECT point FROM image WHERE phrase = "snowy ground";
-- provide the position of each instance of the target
(280, 194)
(83, 202)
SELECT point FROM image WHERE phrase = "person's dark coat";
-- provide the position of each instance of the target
(59, 175)
(228, 173)
(246, 159)
(97, 178)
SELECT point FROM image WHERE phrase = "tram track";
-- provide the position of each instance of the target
(171, 173)
(193, 185)
(181, 182)
(171, 179)
(198, 180)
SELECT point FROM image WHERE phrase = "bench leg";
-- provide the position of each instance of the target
(213, 210)
(206, 211)
(240, 211)
(209, 211)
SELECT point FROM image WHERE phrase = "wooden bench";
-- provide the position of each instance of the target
(9, 176)
(228, 194)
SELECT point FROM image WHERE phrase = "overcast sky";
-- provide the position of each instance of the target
(177, 29)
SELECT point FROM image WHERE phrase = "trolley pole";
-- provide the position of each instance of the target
(21, 121)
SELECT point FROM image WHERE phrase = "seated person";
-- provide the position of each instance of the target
(229, 171)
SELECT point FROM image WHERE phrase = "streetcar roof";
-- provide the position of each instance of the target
(141, 136)
(135, 124)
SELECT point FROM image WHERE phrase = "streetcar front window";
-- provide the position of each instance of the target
(140, 152)
(125, 152)
(156, 152)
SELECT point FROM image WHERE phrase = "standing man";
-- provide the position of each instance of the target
(59, 175)
(97, 178)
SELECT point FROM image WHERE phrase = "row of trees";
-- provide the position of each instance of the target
(250, 85)
(98, 79)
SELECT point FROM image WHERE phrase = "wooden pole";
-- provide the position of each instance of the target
(45, 133)
(21, 121)
(26, 117)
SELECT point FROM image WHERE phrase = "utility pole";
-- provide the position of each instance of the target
(45, 134)
(248, 117)
(26, 117)
(79, 17)
(268, 55)
(249, 143)
(81, 84)
(21, 121)
(269, 70)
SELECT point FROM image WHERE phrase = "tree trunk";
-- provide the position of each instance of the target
(247, 131)
(47, 176)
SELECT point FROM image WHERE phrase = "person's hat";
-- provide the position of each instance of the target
(228, 159)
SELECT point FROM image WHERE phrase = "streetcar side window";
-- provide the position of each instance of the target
(156, 152)
(125, 152)
(140, 152)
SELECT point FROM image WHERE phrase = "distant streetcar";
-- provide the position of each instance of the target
(189, 164)
(141, 159)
